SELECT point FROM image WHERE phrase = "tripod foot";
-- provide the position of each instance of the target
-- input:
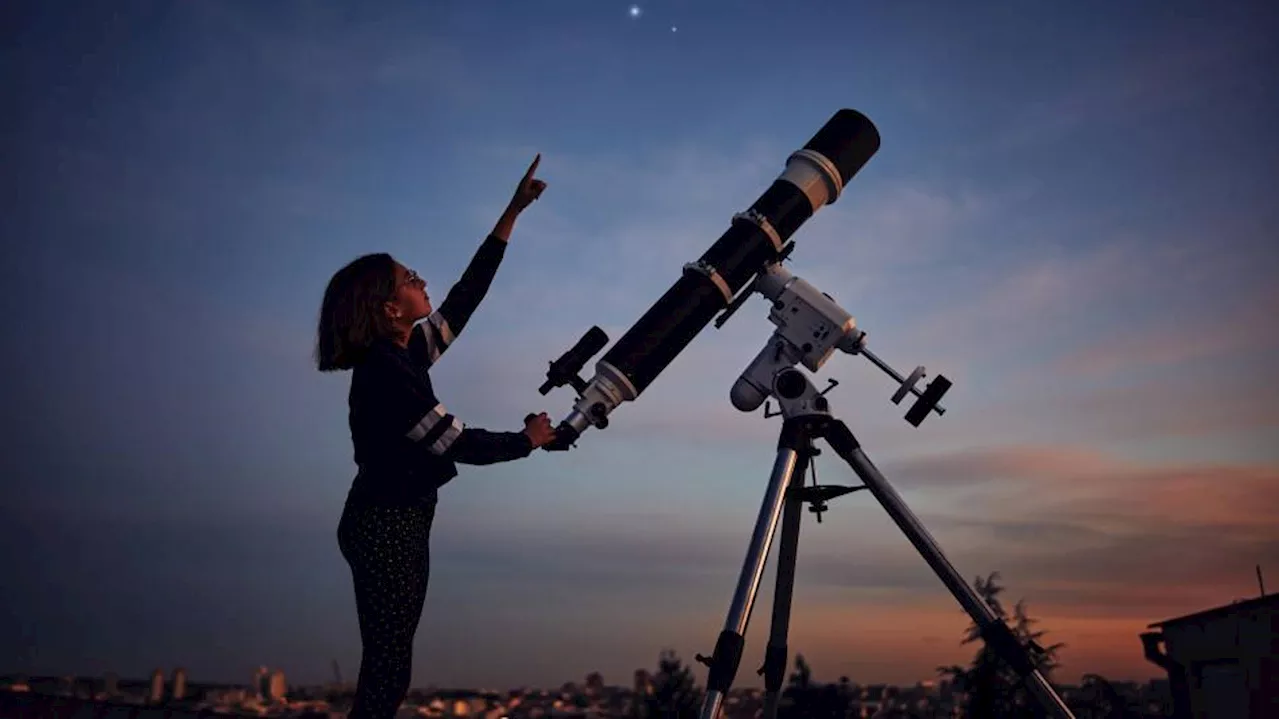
(774, 671)
(723, 666)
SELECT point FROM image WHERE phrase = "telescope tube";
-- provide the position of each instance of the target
(814, 177)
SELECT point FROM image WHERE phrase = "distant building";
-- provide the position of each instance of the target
(111, 684)
(1221, 661)
(260, 687)
(276, 687)
(179, 690)
(594, 684)
(156, 695)
(643, 683)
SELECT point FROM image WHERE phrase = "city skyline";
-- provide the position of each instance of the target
(1072, 216)
(589, 698)
(745, 681)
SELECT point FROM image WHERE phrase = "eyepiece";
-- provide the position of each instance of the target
(565, 369)
(592, 342)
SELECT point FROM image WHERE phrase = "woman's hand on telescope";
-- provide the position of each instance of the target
(539, 430)
(529, 189)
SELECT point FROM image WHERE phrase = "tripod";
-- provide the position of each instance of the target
(806, 418)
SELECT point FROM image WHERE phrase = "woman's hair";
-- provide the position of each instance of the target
(351, 315)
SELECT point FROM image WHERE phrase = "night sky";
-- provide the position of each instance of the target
(1072, 216)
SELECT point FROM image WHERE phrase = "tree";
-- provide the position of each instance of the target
(801, 680)
(1103, 700)
(795, 699)
(991, 687)
(802, 697)
(675, 695)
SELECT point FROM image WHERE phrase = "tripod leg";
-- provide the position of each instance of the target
(994, 632)
(728, 652)
(775, 656)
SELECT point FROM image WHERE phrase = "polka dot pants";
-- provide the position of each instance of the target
(387, 549)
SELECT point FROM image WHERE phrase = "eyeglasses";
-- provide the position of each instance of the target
(410, 277)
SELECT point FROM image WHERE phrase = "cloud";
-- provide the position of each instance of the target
(1154, 409)
(881, 233)
(1090, 475)
(1146, 574)
(1110, 341)
(1244, 326)
(1095, 532)
(981, 465)
(1002, 307)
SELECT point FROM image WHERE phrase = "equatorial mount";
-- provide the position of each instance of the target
(797, 397)
(811, 326)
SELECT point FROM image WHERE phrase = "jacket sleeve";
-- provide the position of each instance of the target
(480, 446)
(441, 433)
(430, 339)
(417, 415)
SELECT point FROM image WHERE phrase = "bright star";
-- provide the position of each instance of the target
(635, 11)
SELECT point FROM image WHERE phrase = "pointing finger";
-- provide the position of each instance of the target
(536, 159)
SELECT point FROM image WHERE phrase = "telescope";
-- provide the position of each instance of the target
(814, 176)
(810, 327)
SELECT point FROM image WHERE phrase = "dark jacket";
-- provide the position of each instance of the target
(407, 442)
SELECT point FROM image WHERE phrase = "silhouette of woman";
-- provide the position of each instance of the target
(406, 442)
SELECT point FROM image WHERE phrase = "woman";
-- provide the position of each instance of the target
(406, 442)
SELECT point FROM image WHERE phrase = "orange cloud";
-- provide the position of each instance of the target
(1246, 325)
(1083, 484)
